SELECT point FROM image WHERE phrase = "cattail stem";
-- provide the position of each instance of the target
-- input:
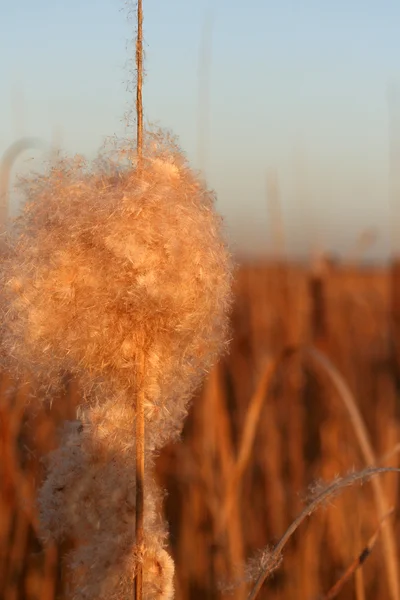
(139, 80)
(140, 394)
(139, 489)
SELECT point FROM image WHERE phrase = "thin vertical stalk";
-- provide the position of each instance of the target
(139, 490)
(140, 428)
(139, 80)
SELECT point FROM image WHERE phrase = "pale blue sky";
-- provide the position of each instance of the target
(300, 86)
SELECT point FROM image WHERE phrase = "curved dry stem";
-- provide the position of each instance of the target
(361, 433)
(272, 561)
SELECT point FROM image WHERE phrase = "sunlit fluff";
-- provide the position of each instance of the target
(111, 269)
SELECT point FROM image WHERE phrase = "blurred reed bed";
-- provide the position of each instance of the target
(269, 423)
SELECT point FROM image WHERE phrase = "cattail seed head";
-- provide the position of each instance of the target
(107, 267)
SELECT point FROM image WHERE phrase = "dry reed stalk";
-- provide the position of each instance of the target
(362, 436)
(359, 579)
(360, 585)
(48, 590)
(355, 542)
(139, 80)
(140, 397)
(211, 471)
(17, 552)
(271, 558)
(294, 430)
(247, 440)
(140, 471)
(317, 291)
(338, 523)
(197, 506)
(390, 454)
(20, 487)
(271, 464)
(387, 430)
(7, 496)
(334, 435)
(357, 563)
(225, 452)
(310, 560)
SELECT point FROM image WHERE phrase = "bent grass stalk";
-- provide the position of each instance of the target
(249, 433)
(362, 436)
(273, 556)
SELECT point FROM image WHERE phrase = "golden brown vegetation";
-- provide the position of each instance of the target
(271, 421)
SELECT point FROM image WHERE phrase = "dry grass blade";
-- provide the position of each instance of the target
(357, 563)
(249, 433)
(272, 560)
(361, 433)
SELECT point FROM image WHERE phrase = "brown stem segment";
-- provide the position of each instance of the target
(139, 81)
(140, 395)
(139, 490)
(357, 562)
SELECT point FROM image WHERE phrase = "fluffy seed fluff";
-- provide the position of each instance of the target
(89, 494)
(117, 276)
(109, 269)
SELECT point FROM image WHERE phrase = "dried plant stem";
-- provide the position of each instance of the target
(249, 433)
(322, 498)
(139, 80)
(246, 444)
(357, 562)
(359, 585)
(361, 433)
(220, 450)
(386, 457)
(140, 430)
(139, 489)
